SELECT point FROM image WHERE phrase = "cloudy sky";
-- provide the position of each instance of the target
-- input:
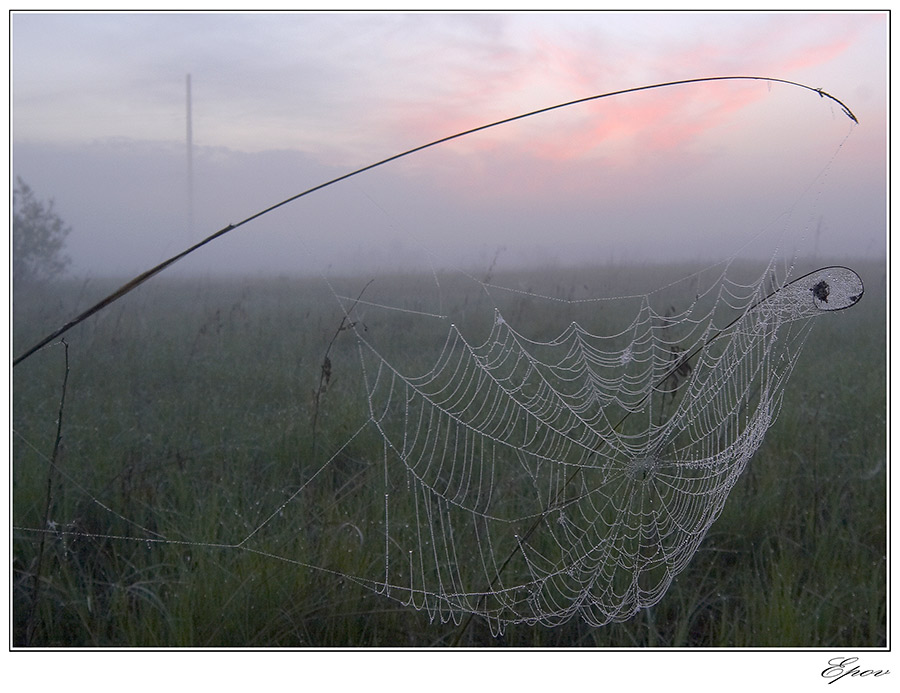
(283, 102)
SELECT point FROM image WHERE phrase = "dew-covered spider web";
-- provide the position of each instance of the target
(533, 481)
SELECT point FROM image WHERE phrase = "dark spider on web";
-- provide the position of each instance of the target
(821, 291)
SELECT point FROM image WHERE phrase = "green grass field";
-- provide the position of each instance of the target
(193, 412)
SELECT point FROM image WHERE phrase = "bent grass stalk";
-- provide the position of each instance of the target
(140, 279)
(153, 271)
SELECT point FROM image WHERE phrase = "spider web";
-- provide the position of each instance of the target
(534, 481)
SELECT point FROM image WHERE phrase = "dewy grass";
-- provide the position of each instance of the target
(796, 558)
(31, 622)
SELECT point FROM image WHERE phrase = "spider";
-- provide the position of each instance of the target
(821, 291)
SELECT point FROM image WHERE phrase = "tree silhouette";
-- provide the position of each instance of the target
(39, 235)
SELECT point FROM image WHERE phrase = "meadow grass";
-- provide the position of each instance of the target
(188, 417)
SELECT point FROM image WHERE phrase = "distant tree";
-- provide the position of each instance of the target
(39, 235)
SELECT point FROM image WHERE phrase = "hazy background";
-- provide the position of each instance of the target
(284, 102)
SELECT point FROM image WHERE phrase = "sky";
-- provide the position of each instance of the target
(284, 102)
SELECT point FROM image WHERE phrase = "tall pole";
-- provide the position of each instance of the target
(190, 163)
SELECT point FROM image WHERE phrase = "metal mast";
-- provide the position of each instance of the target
(190, 163)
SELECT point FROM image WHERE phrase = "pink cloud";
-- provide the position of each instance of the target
(628, 133)
(555, 73)
(816, 55)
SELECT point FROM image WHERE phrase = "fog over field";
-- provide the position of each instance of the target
(283, 103)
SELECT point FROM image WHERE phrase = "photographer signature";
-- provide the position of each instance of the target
(839, 667)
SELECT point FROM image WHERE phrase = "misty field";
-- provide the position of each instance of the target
(209, 451)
